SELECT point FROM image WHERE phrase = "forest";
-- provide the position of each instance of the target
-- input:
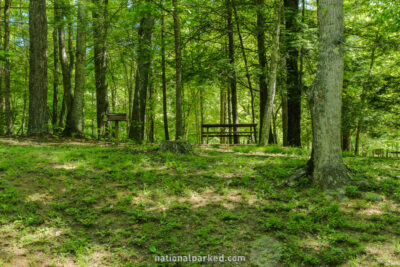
(199, 132)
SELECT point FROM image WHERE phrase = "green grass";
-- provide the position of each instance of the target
(122, 205)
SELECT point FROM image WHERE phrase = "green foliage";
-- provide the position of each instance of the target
(76, 200)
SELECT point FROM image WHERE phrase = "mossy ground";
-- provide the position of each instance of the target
(87, 204)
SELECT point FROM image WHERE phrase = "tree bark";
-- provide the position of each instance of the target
(100, 29)
(269, 105)
(151, 110)
(136, 131)
(55, 79)
(262, 59)
(346, 140)
(75, 124)
(2, 115)
(38, 115)
(164, 79)
(293, 85)
(178, 77)
(67, 96)
(7, 66)
(363, 96)
(246, 65)
(328, 169)
(232, 73)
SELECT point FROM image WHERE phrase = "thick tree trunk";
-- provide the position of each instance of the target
(136, 131)
(75, 123)
(262, 59)
(38, 115)
(293, 85)
(232, 73)
(269, 105)
(7, 66)
(55, 80)
(329, 171)
(2, 115)
(100, 29)
(164, 80)
(178, 78)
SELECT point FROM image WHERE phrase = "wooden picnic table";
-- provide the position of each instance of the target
(229, 130)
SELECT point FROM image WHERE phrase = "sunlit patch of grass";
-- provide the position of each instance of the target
(86, 204)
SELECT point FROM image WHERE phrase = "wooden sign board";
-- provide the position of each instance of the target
(117, 117)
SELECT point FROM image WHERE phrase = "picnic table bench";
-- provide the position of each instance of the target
(229, 130)
(396, 153)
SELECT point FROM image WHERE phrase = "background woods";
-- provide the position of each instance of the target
(174, 65)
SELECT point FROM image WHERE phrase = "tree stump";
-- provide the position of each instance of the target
(181, 147)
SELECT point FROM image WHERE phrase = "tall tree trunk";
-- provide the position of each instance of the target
(38, 115)
(164, 79)
(293, 85)
(26, 84)
(2, 115)
(328, 169)
(246, 65)
(136, 131)
(151, 111)
(7, 66)
(262, 59)
(67, 96)
(178, 77)
(222, 111)
(100, 29)
(284, 113)
(75, 122)
(232, 73)
(269, 105)
(363, 96)
(346, 140)
(55, 79)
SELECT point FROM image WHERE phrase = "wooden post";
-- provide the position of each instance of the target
(116, 129)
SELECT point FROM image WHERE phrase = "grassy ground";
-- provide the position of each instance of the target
(75, 204)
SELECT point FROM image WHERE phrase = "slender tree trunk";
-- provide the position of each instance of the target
(232, 73)
(262, 59)
(178, 76)
(328, 169)
(245, 64)
(75, 124)
(136, 131)
(25, 99)
(100, 29)
(293, 85)
(7, 66)
(284, 113)
(67, 97)
(55, 79)
(222, 111)
(269, 105)
(164, 79)
(151, 111)
(363, 96)
(38, 115)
